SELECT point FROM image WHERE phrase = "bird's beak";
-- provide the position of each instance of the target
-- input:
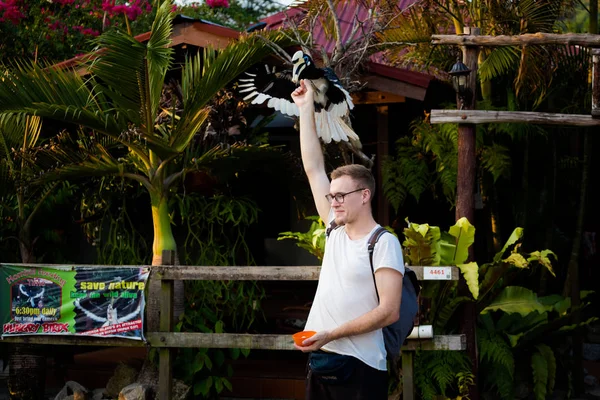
(298, 68)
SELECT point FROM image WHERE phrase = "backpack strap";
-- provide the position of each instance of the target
(332, 226)
(371, 247)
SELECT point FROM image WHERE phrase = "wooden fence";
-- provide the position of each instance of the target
(166, 340)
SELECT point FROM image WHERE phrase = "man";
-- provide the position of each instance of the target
(348, 357)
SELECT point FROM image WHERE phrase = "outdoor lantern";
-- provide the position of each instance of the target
(460, 73)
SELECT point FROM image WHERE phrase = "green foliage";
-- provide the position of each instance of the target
(109, 219)
(57, 30)
(425, 160)
(441, 373)
(312, 241)
(237, 15)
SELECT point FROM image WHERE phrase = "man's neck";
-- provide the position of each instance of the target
(360, 228)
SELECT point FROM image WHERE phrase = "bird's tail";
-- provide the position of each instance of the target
(331, 127)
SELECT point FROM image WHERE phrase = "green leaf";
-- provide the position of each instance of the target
(208, 363)
(514, 237)
(539, 367)
(517, 260)
(548, 354)
(227, 384)
(470, 272)
(234, 353)
(218, 385)
(543, 258)
(514, 339)
(219, 327)
(421, 244)
(464, 234)
(245, 352)
(516, 299)
(219, 357)
(203, 387)
(198, 363)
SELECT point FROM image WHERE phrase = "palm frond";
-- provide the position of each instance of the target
(199, 87)
(18, 131)
(69, 158)
(540, 17)
(121, 68)
(159, 56)
(500, 61)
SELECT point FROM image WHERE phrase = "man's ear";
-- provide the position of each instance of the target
(366, 196)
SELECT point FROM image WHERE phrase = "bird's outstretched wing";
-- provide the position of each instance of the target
(262, 84)
(339, 100)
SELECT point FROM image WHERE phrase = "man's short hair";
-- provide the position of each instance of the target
(359, 173)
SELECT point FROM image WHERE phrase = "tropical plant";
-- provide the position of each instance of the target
(525, 66)
(313, 240)
(427, 160)
(515, 327)
(125, 129)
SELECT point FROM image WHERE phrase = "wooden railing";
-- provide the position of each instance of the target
(166, 340)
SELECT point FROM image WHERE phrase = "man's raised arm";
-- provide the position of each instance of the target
(310, 148)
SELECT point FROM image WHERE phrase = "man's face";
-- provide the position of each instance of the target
(347, 210)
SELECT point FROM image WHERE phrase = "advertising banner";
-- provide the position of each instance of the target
(72, 300)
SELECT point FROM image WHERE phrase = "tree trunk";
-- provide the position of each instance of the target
(465, 206)
(163, 240)
(549, 211)
(572, 286)
(27, 372)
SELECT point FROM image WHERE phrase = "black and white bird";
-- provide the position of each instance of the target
(332, 102)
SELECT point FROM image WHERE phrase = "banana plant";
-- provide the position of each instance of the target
(120, 121)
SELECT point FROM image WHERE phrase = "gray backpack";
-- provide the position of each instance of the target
(395, 334)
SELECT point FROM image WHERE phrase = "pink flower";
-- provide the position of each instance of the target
(217, 3)
(12, 11)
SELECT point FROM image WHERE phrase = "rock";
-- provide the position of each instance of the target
(180, 390)
(590, 380)
(124, 376)
(98, 394)
(591, 351)
(72, 391)
(135, 391)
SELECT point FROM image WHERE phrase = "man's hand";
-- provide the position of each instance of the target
(315, 342)
(303, 95)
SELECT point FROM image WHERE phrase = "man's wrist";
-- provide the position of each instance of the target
(307, 108)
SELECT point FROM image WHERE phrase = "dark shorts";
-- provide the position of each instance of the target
(364, 383)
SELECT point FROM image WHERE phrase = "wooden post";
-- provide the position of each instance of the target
(383, 214)
(408, 376)
(165, 370)
(596, 82)
(465, 201)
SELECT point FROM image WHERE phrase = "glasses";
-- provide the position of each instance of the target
(339, 197)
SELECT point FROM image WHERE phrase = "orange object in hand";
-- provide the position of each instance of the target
(301, 336)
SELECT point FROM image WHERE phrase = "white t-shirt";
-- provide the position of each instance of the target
(346, 291)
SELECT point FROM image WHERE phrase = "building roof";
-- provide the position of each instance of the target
(186, 30)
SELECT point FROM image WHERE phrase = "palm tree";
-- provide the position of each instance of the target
(21, 204)
(122, 130)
